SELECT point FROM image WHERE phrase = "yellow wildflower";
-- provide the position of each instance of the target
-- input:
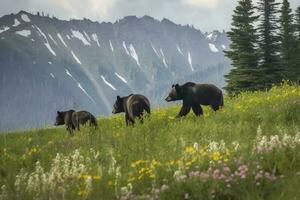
(131, 179)
(190, 150)
(152, 176)
(96, 177)
(155, 163)
(216, 156)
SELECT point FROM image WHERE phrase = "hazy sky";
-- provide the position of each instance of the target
(206, 15)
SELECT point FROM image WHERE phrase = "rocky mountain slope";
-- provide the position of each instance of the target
(47, 64)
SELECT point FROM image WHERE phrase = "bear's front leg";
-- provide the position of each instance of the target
(197, 109)
(184, 111)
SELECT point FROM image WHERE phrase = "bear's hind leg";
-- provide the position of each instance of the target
(197, 109)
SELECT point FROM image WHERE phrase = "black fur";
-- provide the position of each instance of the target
(193, 95)
(133, 105)
(73, 119)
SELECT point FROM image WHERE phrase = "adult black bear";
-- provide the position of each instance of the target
(133, 105)
(193, 95)
(73, 119)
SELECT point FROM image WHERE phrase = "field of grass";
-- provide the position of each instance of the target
(248, 150)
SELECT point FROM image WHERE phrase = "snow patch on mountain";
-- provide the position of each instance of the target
(87, 36)
(16, 23)
(24, 33)
(163, 58)
(121, 77)
(85, 92)
(52, 75)
(50, 49)
(210, 36)
(111, 46)
(179, 49)
(223, 46)
(108, 83)
(46, 40)
(25, 18)
(68, 37)
(80, 86)
(50, 36)
(40, 32)
(190, 61)
(95, 38)
(134, 54)
(61, 39)
(49, 62)
(69, 74)
(213, 48)
(155, 51)
(125, 47)
(3, 29)
(80, 37)
(75, 58)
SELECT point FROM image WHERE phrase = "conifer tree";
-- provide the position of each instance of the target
(270, 67)
(242, 53)
(288, 43)
(297, 54)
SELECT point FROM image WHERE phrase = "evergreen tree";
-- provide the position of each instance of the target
(298, 23)
(272, 72)
(242, 53)
(288, 46)
(297, 55)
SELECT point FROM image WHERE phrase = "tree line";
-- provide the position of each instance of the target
(265, 45)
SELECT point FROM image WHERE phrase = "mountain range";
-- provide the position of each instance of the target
(48, 64)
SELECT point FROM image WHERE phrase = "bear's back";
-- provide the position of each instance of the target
(206, 93)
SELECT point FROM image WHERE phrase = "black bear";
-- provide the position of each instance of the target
(73, 119)
(65, 117)
(193, 95)
(133, 105)
(82, 117)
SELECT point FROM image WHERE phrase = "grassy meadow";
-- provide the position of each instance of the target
(248, 150)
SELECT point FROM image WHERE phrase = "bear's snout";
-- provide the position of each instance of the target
(168, 99)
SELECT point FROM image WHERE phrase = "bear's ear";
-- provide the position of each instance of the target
(118, 97)
(177, 88)
(173, 85)
(58, 112)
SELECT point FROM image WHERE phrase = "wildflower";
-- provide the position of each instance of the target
(164, 188)
(154, 163)
(216, 156)
(157, 191)
(186, 196)
(196, 146)
(96, 177)
(131, 179)
(152, 176)
(190, 150)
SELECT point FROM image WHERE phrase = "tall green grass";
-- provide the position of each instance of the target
(144, 161)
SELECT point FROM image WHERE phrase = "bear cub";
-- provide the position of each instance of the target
(73, 119)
